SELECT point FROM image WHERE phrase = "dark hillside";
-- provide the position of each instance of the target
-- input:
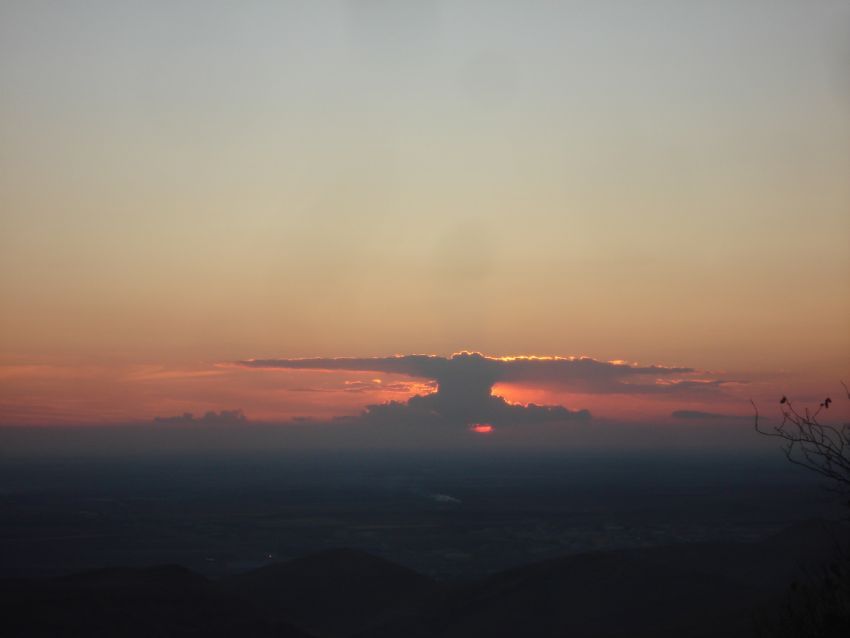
(700, 589)
(334, 593)
(124, 602)
(684, 590)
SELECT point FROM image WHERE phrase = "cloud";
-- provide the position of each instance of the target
(698, 414)
(372, 385)
(225, 417)
(473, 374)
(465, 380)
(377, 385)
(454, 408)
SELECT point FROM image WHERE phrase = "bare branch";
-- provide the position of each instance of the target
(819, 447)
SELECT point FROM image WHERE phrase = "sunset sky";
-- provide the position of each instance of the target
(188, 187)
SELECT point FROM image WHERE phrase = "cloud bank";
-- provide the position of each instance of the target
(225, 417)
(700, 415)
(465, 380)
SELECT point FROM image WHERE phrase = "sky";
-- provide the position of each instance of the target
(189, 187)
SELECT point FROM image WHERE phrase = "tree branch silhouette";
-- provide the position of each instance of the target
(819, 447)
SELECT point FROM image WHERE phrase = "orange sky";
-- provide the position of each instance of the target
(177, 193)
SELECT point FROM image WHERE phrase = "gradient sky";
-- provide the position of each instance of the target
(185, 185)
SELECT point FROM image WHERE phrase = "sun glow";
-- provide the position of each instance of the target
(481, 428)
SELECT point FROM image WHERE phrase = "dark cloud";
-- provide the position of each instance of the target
(225, 417)
(700, 415)
(464, 382)
(471, 373)
(439, 407)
